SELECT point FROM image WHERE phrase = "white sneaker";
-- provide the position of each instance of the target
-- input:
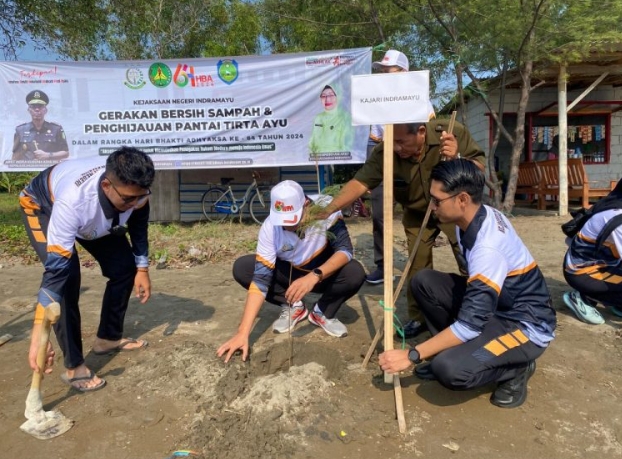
(331, 326)
(289, 317)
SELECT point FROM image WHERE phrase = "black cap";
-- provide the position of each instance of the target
(37, 97)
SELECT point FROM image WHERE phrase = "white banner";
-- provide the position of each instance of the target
(391, 98)
(250, 111)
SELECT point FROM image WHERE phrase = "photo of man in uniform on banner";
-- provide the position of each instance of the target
(39, 140)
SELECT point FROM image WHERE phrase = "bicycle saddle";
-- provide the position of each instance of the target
(226, 180)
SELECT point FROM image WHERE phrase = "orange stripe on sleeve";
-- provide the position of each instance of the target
(523, 270)
(33, 223)
(254, 289)
(486, 281)
(59, 250)
(28, 205)
(39, 236)
(264, 262)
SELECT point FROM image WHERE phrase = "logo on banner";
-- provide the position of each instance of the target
(228, 70)
(332, 61)
(185, 74)
(160, 75)
(134, 78)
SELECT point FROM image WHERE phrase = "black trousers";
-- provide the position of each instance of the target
(495, 355)
(377, 225)
(116, 260)
(335, 290)
(603, 284)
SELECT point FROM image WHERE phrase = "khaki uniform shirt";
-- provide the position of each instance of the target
(416, 171)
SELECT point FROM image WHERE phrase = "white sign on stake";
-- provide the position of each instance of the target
(391, 98)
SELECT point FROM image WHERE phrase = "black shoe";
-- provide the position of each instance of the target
(513, 392)
(412, 329)
(424, 371)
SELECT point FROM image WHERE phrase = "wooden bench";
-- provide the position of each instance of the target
(578, 183)
(529, 179)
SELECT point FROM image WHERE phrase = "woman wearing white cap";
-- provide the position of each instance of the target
(294, 258)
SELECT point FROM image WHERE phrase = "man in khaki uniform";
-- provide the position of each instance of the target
(418, 147)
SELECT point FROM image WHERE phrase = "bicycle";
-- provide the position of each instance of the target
(218, 202)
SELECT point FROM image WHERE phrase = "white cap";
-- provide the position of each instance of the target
(391, 58)
(287, 200)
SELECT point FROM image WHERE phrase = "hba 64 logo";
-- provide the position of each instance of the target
(185, 74)
(280, 206)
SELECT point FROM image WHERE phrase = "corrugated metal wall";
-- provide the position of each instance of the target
(177, 194)
(164, 202)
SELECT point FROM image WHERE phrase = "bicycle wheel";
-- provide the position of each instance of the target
(216, 204)
(260, 205)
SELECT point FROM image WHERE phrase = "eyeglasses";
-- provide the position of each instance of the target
(141, 199)
(437, 202)
(328, 96)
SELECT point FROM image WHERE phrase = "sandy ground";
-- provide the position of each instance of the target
(303, 396)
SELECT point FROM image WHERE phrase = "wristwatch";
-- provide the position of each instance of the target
(318, 272)
(414, 357)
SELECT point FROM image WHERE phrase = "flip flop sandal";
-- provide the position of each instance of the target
(122, 347)
(583, 311)
(70, 381)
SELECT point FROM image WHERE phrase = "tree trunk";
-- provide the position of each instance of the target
(519, 135)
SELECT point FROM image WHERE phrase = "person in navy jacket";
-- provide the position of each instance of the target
(493, 325)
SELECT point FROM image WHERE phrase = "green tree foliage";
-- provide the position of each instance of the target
(313, 25)
(16, 18)
(141, 29)
(511, 38)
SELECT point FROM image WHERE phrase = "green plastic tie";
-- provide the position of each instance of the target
(397, 323)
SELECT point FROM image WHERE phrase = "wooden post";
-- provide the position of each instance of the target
(562, 145)
(389, 304)
(387, 216)
(399, 404)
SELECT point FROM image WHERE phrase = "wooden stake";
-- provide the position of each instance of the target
(5, 339)
(452, 121)
(403, 278)
(411, 258)
(399, 404)
(387, 216)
